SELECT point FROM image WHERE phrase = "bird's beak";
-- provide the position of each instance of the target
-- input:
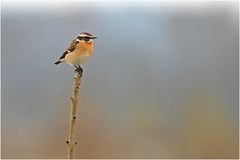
(93, 37)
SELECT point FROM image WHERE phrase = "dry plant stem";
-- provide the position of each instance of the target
(73, 116)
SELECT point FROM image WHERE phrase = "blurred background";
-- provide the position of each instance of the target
(162, 83)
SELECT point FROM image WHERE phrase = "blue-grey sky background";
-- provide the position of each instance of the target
(162, 82)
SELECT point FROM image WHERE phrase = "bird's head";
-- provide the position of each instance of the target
(85, 36)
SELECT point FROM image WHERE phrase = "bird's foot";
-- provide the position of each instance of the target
(79, 70)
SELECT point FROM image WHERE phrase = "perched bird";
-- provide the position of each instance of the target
(78, 51)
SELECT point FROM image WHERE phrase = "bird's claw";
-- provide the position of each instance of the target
(79, 70)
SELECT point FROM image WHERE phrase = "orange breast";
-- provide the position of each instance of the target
(86, 47)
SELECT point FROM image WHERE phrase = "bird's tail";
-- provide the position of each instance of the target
(58, 62)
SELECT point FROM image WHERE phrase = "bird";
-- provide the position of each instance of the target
(78, 51)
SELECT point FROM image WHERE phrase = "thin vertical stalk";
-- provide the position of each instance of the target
(73, 116)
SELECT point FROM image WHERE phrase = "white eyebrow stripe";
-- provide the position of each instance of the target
(83, 35)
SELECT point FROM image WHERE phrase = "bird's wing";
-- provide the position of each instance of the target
(70, 48)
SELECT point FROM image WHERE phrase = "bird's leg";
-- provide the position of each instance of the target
(79, 69)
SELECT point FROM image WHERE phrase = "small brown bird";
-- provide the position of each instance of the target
(78, 51)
